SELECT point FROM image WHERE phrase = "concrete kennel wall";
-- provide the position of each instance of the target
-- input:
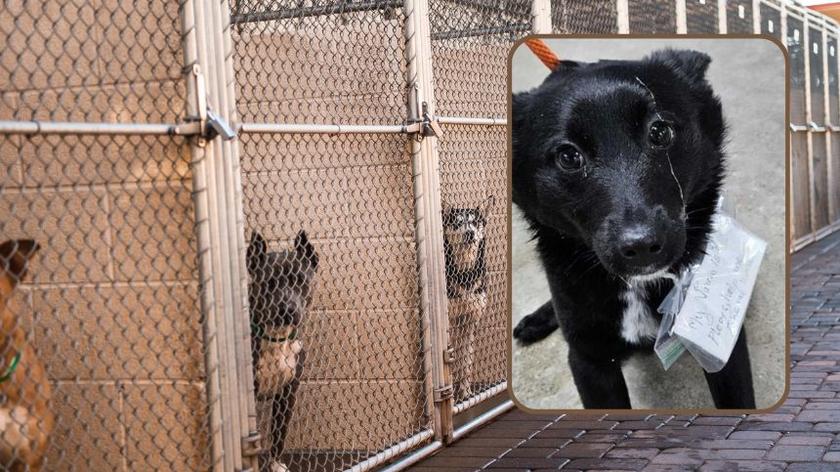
(113, 291)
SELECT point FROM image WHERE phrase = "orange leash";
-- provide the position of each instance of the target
(542, 51)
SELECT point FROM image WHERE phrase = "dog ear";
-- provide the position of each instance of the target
(305, 249)
(257, 251)
(693, 64)
(14, 258)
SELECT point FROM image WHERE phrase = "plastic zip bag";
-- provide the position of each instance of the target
(705, 310)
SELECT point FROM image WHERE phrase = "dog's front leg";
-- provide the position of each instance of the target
(599, 382)
(732, 386)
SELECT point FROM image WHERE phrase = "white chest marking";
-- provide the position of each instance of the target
(637, 323)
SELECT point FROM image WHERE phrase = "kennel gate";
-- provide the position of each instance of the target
(357, 121)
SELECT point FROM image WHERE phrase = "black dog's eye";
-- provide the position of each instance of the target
(661, 134)
(569, 158)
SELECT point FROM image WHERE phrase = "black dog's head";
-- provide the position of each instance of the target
(624, 156)
(281, 282)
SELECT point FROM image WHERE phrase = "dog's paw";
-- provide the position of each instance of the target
(277, 466)
(533, 328)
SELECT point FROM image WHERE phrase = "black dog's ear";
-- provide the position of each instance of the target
(305, 249)
(693, 64)
(521, 100)
(563, 67)
(257, 251)
(14, 258)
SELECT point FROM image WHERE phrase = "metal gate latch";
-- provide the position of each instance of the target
(216, 126)
(444, 393)
(431, 126)
(251, 444)
(449, 355)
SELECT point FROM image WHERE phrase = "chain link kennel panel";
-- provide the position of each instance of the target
(652, 16)
(319, 61)
(833, 90)
(473, 176)
(739, 17)
(573, 16)
(701, 16)
(819, 159)
(336, 328)
(770, 19)
(800, 176)
(108, 305)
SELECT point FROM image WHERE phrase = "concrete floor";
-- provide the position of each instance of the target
(748, 75)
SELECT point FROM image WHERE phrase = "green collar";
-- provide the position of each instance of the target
(258, 331)
(11, 369)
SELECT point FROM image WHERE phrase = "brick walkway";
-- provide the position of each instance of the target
(802, 435)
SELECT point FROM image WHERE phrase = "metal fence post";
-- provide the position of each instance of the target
(682, 26)
(242, 392)
(216, 194)
(806, 42)
(622, 10)
(429, 225)
(541, 17)
(722, 27)
(201, 154)
(827, 123)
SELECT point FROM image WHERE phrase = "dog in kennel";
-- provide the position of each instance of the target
(464, 241)
(280, 291)
(25, 418)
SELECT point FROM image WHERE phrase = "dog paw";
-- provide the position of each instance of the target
(278, 466)
(533, 328)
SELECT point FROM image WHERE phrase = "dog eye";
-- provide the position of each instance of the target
(569, 158)
(661, 134)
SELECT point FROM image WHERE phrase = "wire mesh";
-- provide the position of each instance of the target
(770, 20)
(739, 17)
(819, 161)
(833, 90)
(473, 176)
(106, 319)
(358, 348)
(470, 44)
(797, 49)
(652, 16)
(473, 191)
(701, 16)
(357, 48)
(574, 16)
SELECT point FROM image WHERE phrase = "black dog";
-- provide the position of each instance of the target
(279, 293)
(617, 166)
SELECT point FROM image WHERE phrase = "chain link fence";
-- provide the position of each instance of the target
(272, 234)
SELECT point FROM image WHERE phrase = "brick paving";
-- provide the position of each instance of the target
(803, 435)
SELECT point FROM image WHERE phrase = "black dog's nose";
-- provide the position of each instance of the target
(640, 246)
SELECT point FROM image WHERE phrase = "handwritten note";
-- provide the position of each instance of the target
(710, 319)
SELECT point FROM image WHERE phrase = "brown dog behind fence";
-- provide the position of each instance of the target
(465, 240)
(26, 420)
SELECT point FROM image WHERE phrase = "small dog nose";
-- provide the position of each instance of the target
(640, 245)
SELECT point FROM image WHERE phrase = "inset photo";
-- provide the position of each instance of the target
(649, 232)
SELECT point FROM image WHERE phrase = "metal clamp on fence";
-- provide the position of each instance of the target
(217, 126)
(813, 126)
(428, 126)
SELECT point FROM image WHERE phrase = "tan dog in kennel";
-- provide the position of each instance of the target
(464, 239)
(25, 418)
